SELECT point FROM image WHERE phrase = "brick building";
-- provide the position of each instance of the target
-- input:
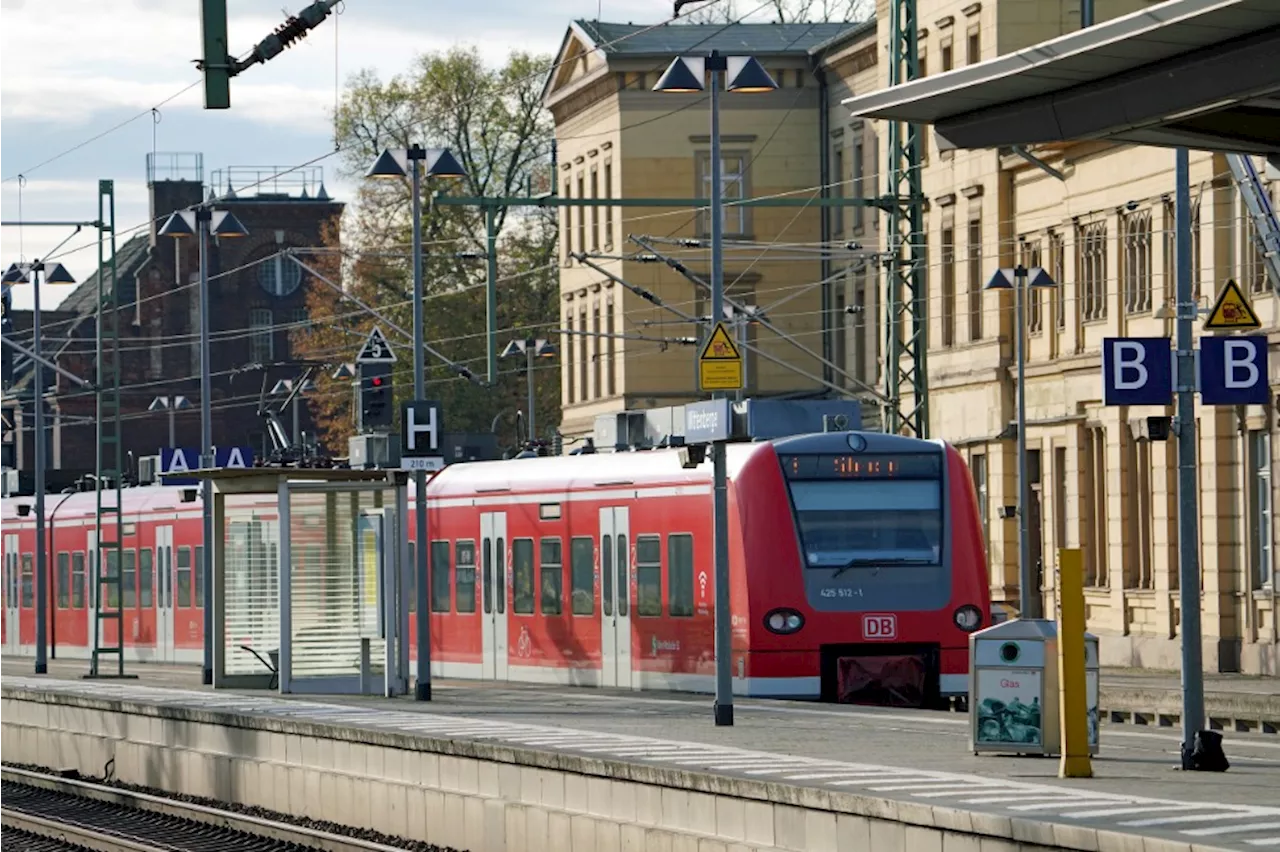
(256, 299)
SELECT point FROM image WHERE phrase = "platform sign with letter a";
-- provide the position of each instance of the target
(720, 362)
(1232, 311)
(1137, 371)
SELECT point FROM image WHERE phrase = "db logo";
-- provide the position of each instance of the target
(882, 627)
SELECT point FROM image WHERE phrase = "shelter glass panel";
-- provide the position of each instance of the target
(251, 583)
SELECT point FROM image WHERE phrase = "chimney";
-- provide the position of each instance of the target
(174, 182)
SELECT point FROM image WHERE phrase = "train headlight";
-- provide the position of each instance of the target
(783, 621)
(968, 618)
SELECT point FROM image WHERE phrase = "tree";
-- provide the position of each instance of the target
(492, 120)
(784, 11)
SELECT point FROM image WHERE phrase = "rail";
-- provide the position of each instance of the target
(111, 819)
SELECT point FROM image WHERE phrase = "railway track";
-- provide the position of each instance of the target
(41, 811)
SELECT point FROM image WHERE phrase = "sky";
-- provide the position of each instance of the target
(72, 70)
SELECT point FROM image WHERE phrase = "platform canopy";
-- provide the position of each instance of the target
(1201, 74)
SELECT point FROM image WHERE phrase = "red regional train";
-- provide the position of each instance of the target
(857, 570)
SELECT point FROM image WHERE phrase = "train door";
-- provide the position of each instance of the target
(493, 579)
(11, 598)
(165, 644)
(615, 597)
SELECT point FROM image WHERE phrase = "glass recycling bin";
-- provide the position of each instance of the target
(1013, 688)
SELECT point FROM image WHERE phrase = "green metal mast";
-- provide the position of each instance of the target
(906, 369)
(106, 587)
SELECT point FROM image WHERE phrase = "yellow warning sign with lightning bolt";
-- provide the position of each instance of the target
(1232, 311)
(720, 362)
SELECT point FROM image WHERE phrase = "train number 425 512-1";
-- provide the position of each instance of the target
(840, 592)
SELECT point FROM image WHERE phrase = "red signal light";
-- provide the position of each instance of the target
(376, 381)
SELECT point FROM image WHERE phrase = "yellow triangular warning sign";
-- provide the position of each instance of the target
(1232, 311)
(720, 346)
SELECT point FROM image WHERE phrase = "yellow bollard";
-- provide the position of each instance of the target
(1072, 698)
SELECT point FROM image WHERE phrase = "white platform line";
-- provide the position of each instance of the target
(1264, 841)
(1076, 803)
(1144, 823)
(1230, 829)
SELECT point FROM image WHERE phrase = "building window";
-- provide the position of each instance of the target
(595, 211)
(973, 48)
(1057, 270)
(837, 187)
(978, 467)
(1034, 296)
(597, 365)
(566, 229)
(1136, 272)
(947, 57)
(1095, 507)
(1171, 254)
(1253, 266)
(584, 359)
(1060, 497)
(261, 339)
(975, 279)
(859, 175)
(582, 214)
(279, 275)
(608, 211)
(1137, 570)
(733, 187)
(1260, 506)
(611, 346)
(567, 347)
(948, 287)
(1092, 273)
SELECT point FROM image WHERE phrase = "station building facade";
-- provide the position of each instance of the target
(1102, 228)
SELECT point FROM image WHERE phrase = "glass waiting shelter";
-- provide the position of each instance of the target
(310, 580)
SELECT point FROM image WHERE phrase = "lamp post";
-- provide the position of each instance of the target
(172, 404)
(686, 74)
(1019, 278)
(402, 163)
(203, 221)
(55, 274)
(531, 348)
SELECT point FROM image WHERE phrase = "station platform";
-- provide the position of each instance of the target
(894, 762)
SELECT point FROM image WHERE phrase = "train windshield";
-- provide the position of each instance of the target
(867, 511)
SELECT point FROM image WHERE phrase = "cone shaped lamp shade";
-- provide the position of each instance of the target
(387, 165)
(230, 226)
(745, 74)
(999, 281)
(1038, 277)
(177, 226)
(58, 274)
(13, 275)
(442, 164)
(515, 347)
(684, 74)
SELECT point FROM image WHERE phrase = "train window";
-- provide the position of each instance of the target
(465, 559)
(28, 594)
(413, 576)
(144, 577)
(77, 580)
(197, 575)
(552, 576)
(113, 570)
(64, 580)
(184, 576)
(680, 574)
(624, 587)
(582, 567)
(648, 575)
(522, 575)
(129, 579)
(606, 575)
(440, 576)
(500, 575)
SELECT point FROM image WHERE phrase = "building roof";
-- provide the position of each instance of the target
(84, 298)
(1195, 73)
(674, 39)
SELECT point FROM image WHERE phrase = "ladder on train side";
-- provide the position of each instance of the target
(108, 587)
(1266, 227)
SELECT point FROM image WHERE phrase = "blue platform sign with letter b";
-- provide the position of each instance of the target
(1233, 371)
(1137, 371)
